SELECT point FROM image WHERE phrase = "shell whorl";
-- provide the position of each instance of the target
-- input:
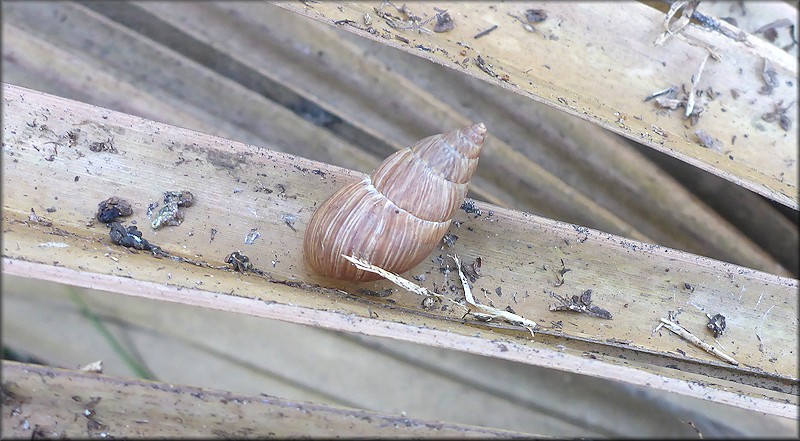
(395, 217)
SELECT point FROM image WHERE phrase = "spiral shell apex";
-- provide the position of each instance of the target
(395, 217)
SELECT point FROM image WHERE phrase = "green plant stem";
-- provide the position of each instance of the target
(139, 369)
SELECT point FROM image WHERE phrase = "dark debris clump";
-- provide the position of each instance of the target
(444, 23)
(582, 303)
(472, 271)
(716, 324)
(103, 146)
(112, 208)
(450, 240)
(239, 262)
(131, 237)
(383, 293)
(535, 15)
(469, 207)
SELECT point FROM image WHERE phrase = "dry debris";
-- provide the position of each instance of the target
(289, 220)
(131, 237)
(239, 262)
(779, 114)
(560, 274)
(770, 31)
(251, 237)
(582, 304)
(709, 141)
(527, 27)
(449, 240)
(41, 220)
(112, 208)
(170, 214)
(487, 313)
(103, 146)
(444, 23)
(380, 294)
(671, 91)
(716, 324)
(691, 338)
(668, 98)
(484, 66)
(473, 271)
(478, 310)
(92, 423)
(413, 21)
(536, 15)
(674, 25)
(470, 207)
(770, 77)
(532, 16)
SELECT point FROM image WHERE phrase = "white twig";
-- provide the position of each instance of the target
(688, 336)
(676, 28)
(679, 23)
(695, 83)
(473, 307)
(698, 308)
(761, 322)
(477, 308)
(394, 278)
(761, 296)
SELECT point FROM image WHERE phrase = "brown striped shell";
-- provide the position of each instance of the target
(397, 216)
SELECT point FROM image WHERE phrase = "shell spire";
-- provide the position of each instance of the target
(395, 217)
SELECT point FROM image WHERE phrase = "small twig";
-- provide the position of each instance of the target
(394, 278)
(668, 91)
(414, 22)
(695, 82)
(680, 23)
(484, 66)
(676, 27)
(691, 338)
(761, 296)
(95, 367)
(488, 311)
(760, 344)
(484, 33)
(527, 27)
(696, 429)
(481, 311)
(761, 322)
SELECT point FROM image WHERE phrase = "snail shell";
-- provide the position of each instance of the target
(397, 216)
